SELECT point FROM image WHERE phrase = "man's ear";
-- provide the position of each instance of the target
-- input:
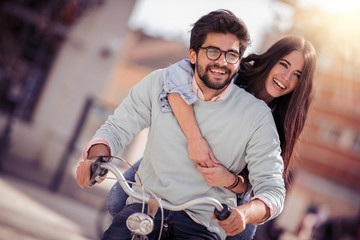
(192, 56)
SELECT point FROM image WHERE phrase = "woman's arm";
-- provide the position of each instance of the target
(178, 79)
(198, 148)
(178, 93)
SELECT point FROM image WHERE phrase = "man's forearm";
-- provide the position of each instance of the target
(256, 211)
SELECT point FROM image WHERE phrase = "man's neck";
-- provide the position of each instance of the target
(208, 93)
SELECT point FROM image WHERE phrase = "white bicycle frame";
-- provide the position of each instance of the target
(142, 220)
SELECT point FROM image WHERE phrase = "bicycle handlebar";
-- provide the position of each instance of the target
(100, 167)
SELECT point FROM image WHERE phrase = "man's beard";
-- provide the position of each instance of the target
(216, 85)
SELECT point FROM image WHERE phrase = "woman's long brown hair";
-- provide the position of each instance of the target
(289, 111)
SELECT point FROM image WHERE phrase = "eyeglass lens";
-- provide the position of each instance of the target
(214, 54)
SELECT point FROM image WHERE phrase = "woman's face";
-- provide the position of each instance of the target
(285, 74)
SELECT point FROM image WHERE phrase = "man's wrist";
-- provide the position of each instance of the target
(98, 149)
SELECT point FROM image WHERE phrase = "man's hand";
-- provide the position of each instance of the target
(83, 173)
(235, 223)
(217, 176)
(253, 212)
(200, 152)
(83, 169)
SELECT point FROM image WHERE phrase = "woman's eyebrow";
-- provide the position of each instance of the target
(283, 59)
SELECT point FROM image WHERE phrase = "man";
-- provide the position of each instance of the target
(238, 127)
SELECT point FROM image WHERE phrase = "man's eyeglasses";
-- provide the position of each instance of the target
(214, 53)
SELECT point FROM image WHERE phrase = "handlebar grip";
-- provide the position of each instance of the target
(96, 171)
(223, 214)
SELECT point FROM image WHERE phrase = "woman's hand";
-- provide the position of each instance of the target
(198, 148)
(217, 176)
(200, 152)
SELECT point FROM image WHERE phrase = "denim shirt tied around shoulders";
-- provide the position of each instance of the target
(178, 79)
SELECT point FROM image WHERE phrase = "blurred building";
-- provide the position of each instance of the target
(64, 66)
(54, 55)
(327, 173)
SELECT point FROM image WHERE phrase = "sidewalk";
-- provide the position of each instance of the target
(29, 212)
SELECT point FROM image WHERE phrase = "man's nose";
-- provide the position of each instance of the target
(222, 59)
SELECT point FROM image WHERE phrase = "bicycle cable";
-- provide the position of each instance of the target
(143, 189)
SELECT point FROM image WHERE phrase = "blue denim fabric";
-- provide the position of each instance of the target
(182, 226)
(116, 201)
(178, 79)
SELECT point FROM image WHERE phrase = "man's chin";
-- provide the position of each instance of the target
(218, 84)
(215, 82)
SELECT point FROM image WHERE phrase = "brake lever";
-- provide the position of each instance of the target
(96, 172)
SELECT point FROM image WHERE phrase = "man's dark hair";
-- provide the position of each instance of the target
(220, 21)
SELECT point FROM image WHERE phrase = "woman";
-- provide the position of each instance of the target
(282, 77)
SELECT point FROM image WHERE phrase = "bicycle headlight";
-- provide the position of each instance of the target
(140, 223)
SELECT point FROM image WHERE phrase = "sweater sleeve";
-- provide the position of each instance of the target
(130, 117)
(265, 164)
(177, 79)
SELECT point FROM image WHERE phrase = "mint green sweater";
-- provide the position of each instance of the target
(240, 130)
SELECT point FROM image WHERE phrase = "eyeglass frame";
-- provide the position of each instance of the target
(221, 52)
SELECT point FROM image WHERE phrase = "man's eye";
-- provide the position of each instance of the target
(233, 55)
(213, 51)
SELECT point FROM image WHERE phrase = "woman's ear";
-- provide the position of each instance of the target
(192, 56)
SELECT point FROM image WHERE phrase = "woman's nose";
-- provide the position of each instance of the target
(287, 74)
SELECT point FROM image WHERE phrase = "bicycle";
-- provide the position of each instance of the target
(140, 223)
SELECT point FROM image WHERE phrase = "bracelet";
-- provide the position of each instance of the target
(237, 180)
(246, 179)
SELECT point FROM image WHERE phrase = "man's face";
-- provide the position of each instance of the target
(215, 75)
